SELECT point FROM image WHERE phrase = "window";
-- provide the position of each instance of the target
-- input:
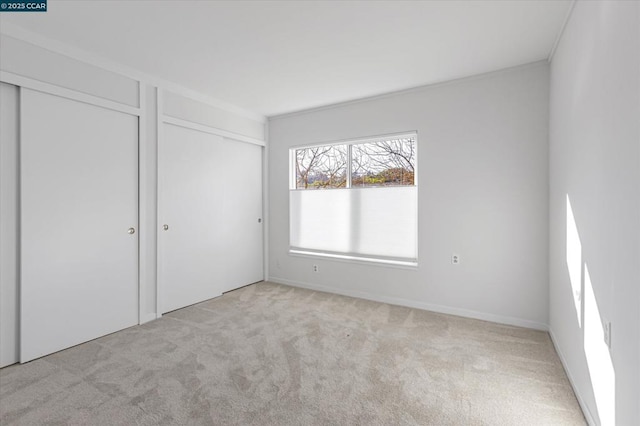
(356, 200)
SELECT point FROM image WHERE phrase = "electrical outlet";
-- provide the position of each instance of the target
(607, 333)
(315, 268)
(455, 259)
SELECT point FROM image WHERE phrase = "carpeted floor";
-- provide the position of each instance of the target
(269, 354)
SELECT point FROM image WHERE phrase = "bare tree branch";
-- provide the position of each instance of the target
(380, 163)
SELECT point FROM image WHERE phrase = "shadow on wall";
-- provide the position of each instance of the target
(595, 339)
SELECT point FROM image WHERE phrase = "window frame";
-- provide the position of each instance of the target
(387, 261)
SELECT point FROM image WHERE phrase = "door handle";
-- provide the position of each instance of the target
(165, 227)
(131, 230)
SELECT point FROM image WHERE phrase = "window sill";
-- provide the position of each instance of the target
(401, 264)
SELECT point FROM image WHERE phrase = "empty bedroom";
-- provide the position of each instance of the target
(320, 212)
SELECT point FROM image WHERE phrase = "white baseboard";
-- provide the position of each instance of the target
(585, 410)
(148, 317)
(518, 322)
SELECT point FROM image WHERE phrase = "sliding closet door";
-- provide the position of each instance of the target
(242, 215)
(191, 196)
(210, 214)
(79, 214)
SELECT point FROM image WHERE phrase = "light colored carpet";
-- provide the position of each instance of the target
(269, 354)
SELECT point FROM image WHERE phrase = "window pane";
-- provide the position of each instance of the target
(321, 167)
(383, 163)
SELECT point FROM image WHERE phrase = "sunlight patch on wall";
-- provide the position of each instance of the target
(603, 379)
(574, 260)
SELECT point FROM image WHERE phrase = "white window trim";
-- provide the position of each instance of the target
(353, 258)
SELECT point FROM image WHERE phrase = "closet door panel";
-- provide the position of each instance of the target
(9, 148)
(79, 215)
(242, 215)
(211, 203)
(191, 197)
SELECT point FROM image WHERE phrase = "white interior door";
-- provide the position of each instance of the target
(242, 215)
(211, 202)
(191, 193)
(79, 199)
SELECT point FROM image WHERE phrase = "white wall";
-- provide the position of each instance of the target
(483, 194)
(595, 161)
(26, 59)
(148, 205)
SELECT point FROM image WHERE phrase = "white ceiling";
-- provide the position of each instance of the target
(277, 57)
